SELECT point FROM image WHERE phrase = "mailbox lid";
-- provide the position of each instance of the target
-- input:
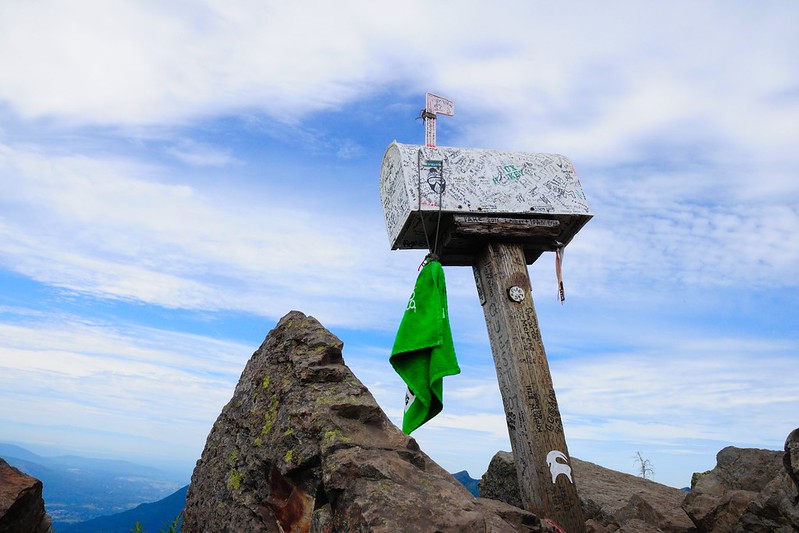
(419, 182)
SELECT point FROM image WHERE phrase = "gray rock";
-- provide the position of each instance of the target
(21, 504)
(747, 491)
(772, 511)
(303, 446)
(616, 498)
(717, 513)
(500, 481)
(790, 461)
(776, 508)
(594, 526)
(747, 469)
(610, 500)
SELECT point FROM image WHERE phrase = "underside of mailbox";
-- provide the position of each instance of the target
(458, 199)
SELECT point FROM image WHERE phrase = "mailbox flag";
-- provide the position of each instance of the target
(423, 351)
(439, 105)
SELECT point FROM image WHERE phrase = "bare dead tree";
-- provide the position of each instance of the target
(644, 466)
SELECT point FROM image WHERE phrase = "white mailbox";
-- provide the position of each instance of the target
(461, 198)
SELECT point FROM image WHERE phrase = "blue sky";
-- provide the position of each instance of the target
(176, 177)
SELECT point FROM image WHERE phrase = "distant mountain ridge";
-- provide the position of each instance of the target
(115, 466)
(152, 517)
(77, 488)
(57, 471)
(469, 482)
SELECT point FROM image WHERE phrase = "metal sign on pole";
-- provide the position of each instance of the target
(498, 213)
(435, 105)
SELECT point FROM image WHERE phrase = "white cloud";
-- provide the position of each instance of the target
(111, 229)
(681, 120)
(737, 390)
(115, 229)
(348, 149)
(685, 244)
(491, 423)
(607, 86)
(137, 63)
(564, 70)
(622, 387)
(81, 378)
(201, 154)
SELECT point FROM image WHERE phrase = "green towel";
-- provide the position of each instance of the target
(423, 352)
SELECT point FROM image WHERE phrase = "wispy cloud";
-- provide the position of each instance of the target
(349, 149)
(201, 154)
(681, 120)
(590, 78)
(609, 99)
(734, 389)
(639, 387)
(156, 387)
(114, 230)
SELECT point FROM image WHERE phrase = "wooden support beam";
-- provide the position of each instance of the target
(531, 408)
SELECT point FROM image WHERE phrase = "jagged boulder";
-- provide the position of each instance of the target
(790, 460)
(772, 511)
(500, 481)
(21, 504)
(748, 491)
(303, 446)
(611, 501)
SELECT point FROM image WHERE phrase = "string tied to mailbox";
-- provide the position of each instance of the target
(438, 184)
(429, 257)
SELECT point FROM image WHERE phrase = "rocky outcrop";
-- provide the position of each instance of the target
(611, 501)
(614, 498)
(748, 491)
(21, 503)
(500, 481)
(303, 446)
(772, 511)
(790, 460)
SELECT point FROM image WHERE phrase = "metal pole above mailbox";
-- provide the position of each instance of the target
(498, 212)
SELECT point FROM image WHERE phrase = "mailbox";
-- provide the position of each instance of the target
(458, 199)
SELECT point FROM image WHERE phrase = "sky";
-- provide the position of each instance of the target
(177, 176)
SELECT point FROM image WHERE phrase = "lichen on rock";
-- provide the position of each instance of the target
(303, 446)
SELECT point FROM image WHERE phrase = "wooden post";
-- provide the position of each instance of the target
(521, 204)
(531, 409)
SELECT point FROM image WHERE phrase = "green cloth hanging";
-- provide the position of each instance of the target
(423, 352)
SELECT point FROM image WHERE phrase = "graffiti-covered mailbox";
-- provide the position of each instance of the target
(466, 197)
(498, 212)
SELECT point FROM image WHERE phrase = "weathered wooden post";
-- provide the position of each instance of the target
(498, 212)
